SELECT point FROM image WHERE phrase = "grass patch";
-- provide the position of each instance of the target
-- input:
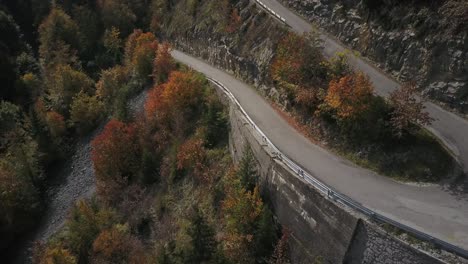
(419, 158)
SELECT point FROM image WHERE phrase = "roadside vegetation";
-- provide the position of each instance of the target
(334, 105)
(340, 108)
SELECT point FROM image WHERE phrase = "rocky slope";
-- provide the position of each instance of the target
(246, 52)
(413, 40)
(77, 182)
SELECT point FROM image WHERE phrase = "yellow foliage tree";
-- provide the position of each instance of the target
(350, 96)
(57, 255)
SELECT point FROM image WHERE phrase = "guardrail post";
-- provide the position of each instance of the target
(301, 173)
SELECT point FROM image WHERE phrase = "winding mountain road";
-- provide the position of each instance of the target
(450, 128)
(430, 209)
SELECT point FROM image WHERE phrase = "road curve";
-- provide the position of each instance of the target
(450, 128)
(429, 209)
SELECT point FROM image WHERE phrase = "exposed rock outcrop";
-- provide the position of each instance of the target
(246, 53)
(413, 41)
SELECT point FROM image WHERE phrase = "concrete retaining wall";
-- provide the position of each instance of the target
(322, 231)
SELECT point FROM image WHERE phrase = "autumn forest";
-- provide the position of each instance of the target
(68, 67)
(166, 187)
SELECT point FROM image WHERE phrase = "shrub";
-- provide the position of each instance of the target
(63, 83)
(349, 96)
(140, 51)
(163, 63)
(234, 21)
(85, 222)
(172, 104)
(191, 157)
(111, 82)
(281, 252)
(86, 111)
(113, 44)
(298, 61)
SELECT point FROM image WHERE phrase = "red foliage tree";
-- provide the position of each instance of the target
(289, 59)
(192, 156)
(115, 156)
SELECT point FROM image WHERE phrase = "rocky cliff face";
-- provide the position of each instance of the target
(246, 52)
(412, 41)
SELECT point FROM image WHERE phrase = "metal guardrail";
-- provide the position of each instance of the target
(336, 196)
(271, 11)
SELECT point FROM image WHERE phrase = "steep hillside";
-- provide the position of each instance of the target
(238, 37)
(290, 71)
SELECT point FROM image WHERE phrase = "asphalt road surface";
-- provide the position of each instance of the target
(430, 209)
(450, 128)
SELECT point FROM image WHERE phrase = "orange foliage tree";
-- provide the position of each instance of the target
(234, 21)
(140, 51)
(172, 104)
(117, 245)
(86, 220)
(115, 156)
(297, 60)
(192, 156)
(350, 96)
